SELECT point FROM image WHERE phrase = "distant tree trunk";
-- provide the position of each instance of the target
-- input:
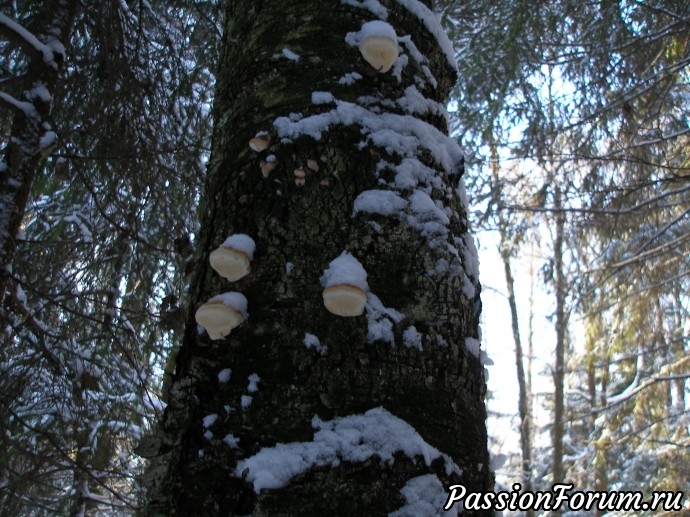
(524, 406)
(559, 279)
(31, 137)
(559, 370)
(424, 367)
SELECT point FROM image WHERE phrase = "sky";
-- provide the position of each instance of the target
(497, 341)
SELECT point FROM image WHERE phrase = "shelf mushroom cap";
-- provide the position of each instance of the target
(260, 142)
(232, 259)
(378, 44)
(230, 263)
(267, 167)
(345, 286)
(344, 300)
(218, 318)
(380, 52)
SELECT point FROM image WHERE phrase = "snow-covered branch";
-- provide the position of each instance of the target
(24, 107)
(637, 387)
(17, 34)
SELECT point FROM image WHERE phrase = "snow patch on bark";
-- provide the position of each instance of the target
(402, 135)
(473, 346)
(433, 24)
(373, 6)
(380, 320)
(288, 54)
(231, 441)
(354, 438)
(253, 385)
(383, 202)
(209, 420)
(224, 375)
(349, 78)
(311, 341)
(412, 338)
(322, 98)
(424, 496)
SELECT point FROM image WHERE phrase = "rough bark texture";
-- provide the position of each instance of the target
(298, 231)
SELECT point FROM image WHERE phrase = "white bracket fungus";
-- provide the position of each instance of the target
(378, 44)
(222, 313)
(300, 176)
(260, 142)
(345, 286)
(232, 259)
(344, 300)
(268, 165)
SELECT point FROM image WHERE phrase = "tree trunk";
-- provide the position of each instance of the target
(524, 396)
(376, 133)
(559, 370)
(31, 136)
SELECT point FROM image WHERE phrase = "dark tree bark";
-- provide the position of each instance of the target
(420, 263)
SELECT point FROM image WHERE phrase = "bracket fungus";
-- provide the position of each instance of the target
(268, 165)
(232, 260)
(345, 286)
(222, 313)
(300, 176)
(260, 142)
(378, 44)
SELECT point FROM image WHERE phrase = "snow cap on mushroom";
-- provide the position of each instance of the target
(345, 286)
(378, 44)
(222, 313)
(232, 259)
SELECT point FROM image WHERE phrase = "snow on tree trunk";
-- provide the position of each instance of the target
(299, 411)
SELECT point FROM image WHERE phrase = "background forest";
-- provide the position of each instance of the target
(575, 120)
